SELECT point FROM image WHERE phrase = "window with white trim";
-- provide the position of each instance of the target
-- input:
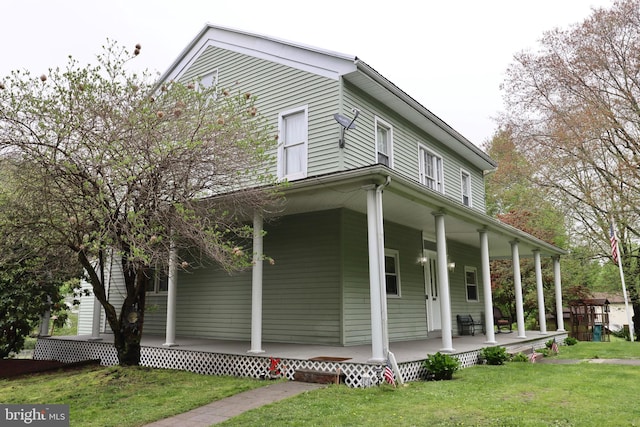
(293, 143)
(384, 142)
(471, 282)
(465, 182)
(392, 272)
(158, 281)
(209, 79)
(431, 173)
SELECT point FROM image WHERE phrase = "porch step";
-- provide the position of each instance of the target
(526, 350)
(318, 377)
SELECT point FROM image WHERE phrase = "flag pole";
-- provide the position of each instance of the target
(624, 288)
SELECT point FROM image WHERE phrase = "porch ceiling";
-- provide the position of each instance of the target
(407, 203)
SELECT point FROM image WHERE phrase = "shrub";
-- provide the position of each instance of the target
(494, 355)
(570, 341)
(520, 357)
(549, 343)
(440, 366)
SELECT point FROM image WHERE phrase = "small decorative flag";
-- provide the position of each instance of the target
(554, 347)
(532, 356)
(388, 374)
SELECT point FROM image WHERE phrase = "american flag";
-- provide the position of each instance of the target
(388, 374)
(532, 356)
(614, 244)
(554, 347)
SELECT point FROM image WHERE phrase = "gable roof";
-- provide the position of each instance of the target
(332, 65)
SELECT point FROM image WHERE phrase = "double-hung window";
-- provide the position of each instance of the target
(293, 143)
(158, 281)
(384, 143)
(465, 182)
(471, 281)
(431, 173)
(392, 273)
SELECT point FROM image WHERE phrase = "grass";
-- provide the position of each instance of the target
(515, 394)
(116, 396)
(618, 348)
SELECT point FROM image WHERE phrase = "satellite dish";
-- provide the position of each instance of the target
(346, 124)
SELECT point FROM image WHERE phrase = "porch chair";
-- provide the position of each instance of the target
(466, 325)
(501, 321)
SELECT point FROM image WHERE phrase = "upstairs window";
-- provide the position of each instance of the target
(292, 144)
(209, 80)
(431, 173)
(384, 142)
(465, 182)
(391, 273)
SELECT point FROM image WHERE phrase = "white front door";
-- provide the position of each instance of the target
(431, 292)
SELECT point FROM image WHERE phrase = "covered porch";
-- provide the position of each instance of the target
(223, 357)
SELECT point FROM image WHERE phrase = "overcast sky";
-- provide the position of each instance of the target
(449, 55)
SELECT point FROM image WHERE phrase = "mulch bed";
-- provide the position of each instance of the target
(10, 368)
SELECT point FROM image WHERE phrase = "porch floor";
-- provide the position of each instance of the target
(404, 351)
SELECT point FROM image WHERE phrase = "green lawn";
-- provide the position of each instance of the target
(516, 394)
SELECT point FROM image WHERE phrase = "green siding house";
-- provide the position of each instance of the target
(383, 237)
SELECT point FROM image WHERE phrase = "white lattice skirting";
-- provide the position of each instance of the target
(356, 374)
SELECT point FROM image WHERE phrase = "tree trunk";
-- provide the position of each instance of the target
(127, 327)
(127, 338)
(636, 319)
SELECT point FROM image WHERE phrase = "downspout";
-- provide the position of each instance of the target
(391, 359)
(383, 288)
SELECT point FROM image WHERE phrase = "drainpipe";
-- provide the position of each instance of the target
(381, 271)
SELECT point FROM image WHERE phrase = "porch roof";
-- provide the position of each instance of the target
(409, 203)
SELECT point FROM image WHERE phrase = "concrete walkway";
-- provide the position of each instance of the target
(221, 410)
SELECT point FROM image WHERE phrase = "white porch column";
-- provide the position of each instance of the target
(256, 285)
(44, 324)
(97, 307)
(558, 287)
(95, 322)
(375, 284)
(486, 288)
(542, 316)
(517, 283)
(172, 290)
(443, 284)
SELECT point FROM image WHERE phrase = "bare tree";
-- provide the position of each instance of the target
(572, 107)
(105, 159)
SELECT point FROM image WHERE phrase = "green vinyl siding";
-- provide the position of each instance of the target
(463, 256)
(406, 314)
(360, 149)
(280, 88)
(301, 291)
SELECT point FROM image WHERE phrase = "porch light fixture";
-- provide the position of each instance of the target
(422, 260)
(346, 124)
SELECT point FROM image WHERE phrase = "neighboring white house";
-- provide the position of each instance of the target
(617, 309)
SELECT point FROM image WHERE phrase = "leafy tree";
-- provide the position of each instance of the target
(109, 162)
(515, 200)
(573, 111)
(31, 275)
